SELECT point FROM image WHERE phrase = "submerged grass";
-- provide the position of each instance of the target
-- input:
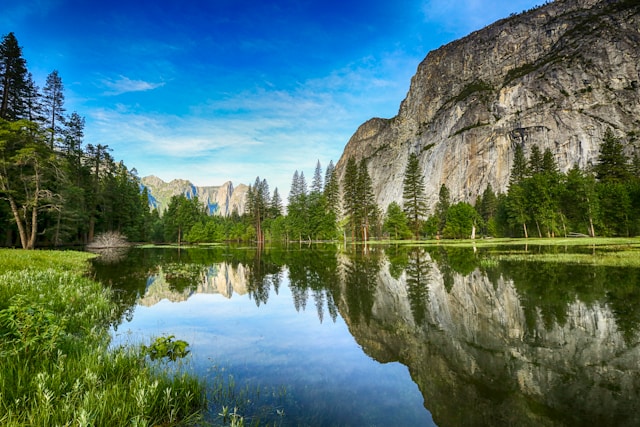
(56, 367)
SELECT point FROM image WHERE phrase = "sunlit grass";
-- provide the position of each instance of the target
(607, 258)
(56, 367)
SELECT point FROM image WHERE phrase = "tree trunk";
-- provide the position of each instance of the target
(524, 226)
(34, 227)
(21, 229)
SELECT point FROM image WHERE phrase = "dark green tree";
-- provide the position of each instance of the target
(332, 189)
(13, 79)
(351, 202)
(413, 195)
(53, 105)
(519, 169)
(442, 207)
(612, 164)
(181, 215)
(396, 223)
(368, 214)
(462, 219)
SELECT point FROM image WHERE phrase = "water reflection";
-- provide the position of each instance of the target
(487, 343)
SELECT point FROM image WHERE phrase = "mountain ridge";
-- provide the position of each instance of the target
(217, 200)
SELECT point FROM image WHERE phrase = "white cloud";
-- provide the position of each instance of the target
(124, 85)
(268, 132)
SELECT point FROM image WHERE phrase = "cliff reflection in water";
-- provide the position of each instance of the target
(514, 344)
(487, 342)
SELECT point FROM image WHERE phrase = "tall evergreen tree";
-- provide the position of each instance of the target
(368, 212)
(535, 164)
(316, 183)
(519, 167)
(53, 105)
(332, 189)
(13, 79)
(413, 194)
(612, 164)
(444, 201)
(275, 206)
(351, 202)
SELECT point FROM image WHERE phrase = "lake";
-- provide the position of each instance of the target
(379, 336)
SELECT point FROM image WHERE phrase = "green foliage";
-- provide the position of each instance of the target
(166, 347)
(395, 223)
(471, 88)
(461, 219)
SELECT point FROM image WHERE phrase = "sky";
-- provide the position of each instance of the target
(229, 90)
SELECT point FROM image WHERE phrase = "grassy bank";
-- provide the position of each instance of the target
(55, 364)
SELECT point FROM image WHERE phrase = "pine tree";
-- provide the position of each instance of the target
(316, 183)
(535, 165)
(519, 167)
(332, 189)
(275, 207)
(13, 79)
(53, 97)
(442, 207)
(413, 194)
(395, 222)
(368, 210)
(612, 165)
(350, 195)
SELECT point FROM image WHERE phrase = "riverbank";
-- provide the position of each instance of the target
(56, 367)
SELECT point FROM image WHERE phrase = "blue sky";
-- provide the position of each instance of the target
(219, 90)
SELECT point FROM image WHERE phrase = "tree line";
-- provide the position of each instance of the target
(55, 189)
(540, 201)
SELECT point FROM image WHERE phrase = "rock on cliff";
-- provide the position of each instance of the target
(556, 77)
(221, 200)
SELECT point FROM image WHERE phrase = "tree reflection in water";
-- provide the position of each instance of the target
(488, 343)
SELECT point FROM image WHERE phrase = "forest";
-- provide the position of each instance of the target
(56, 190)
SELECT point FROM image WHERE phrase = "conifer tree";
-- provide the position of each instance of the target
(53, 97)
(442, 207)
(316, 183)
(413, 194)
(275, 207)
(332, 189)
(368, 213)
(612, 164)
(519, 167)
(350, 195)
(13, 79)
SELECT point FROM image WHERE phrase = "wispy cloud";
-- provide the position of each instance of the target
(124, 85)
(267, 131)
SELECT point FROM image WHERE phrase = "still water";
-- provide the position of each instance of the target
(394, 336)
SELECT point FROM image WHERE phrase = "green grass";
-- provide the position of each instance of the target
(56, 367)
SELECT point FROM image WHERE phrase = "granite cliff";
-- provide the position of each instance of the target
(557, 77)
(220, 200)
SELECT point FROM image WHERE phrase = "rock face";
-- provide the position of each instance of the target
(556, 77)
(220, 200)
